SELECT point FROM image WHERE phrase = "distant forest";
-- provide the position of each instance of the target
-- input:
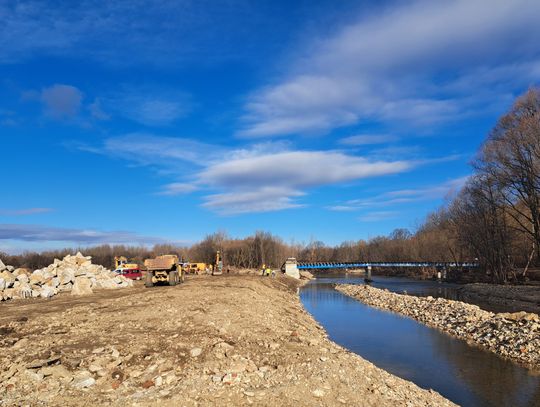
(495, 218)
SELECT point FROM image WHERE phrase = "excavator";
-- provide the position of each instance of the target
(126, 269)
(217, 270)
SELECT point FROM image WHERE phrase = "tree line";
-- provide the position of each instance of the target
(494, 219)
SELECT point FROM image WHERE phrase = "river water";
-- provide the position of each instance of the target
(467, 375)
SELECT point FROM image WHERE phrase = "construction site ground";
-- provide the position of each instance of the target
(223, 340)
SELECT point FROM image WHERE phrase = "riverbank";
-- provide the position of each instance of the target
(227, 340)
(515, 336)
(515, 297)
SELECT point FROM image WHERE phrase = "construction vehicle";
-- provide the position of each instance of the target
(217, 270)
(128, 270)
(163, 269)
(121, 262)
(196, 268)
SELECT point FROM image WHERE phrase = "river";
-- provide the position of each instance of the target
(467, 375)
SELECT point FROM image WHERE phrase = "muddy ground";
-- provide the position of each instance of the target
(227, 340)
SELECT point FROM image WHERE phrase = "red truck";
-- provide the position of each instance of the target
(132, 273)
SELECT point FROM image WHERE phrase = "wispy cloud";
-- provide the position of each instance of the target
(272, 181)
(148, 105)
(178, 188)
(403, 196)
(23, 212)
(388, 68)
(41, 233)
(368, 139)
(160, 151)
(378, 216)
(128, 32)
(256, 178)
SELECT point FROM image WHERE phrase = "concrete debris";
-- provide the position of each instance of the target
(75, 274)
(514, 336)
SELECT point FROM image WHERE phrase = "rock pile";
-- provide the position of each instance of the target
(512, 335)
(75, 274)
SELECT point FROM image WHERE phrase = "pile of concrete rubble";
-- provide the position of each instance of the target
(512, 335)
(75, 274)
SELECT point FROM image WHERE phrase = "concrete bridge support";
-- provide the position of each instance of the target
(368, 273)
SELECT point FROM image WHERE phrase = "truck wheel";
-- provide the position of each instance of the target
(173, 277)
(148, 280)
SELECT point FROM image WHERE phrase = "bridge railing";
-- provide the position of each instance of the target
(334, 265)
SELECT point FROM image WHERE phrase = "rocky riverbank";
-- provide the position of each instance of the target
(225, 340)
(512, 335)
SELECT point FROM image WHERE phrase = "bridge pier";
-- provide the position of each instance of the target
(441, 274)
(368, 274)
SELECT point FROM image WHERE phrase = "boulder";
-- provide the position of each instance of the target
(67, 276)
(47, 291)
(2, 265)
(36, 279)
(65, 287)
(8, 278)
(7, 294)
(2, 283)
(82, 286)
(23, 290)
(22, 277)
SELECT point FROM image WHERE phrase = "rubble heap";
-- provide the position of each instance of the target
(75, 274)
(512, 335)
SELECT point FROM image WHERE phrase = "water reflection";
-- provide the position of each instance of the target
(466, 375)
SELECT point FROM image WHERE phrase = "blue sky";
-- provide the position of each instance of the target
(144, 122)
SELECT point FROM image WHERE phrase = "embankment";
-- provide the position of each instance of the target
(522, 297)
(225, 340)
(515, 336)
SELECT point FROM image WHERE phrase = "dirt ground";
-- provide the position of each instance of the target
(504, 298)
(227, 340)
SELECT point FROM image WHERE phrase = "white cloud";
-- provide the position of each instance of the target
(264, 199)
(61, 101)
(41, 233)
(272, 181)
(178, 188)
(258, 178)
(399, 197)
(391, 67)
(297, 169)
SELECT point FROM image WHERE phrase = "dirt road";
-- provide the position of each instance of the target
(225, 340)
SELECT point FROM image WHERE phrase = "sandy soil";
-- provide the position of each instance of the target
(225, 340)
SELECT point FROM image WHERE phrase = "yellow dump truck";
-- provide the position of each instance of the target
(163, 269)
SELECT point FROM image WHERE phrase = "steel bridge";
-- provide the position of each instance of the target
(303, 265)
(292, 267)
